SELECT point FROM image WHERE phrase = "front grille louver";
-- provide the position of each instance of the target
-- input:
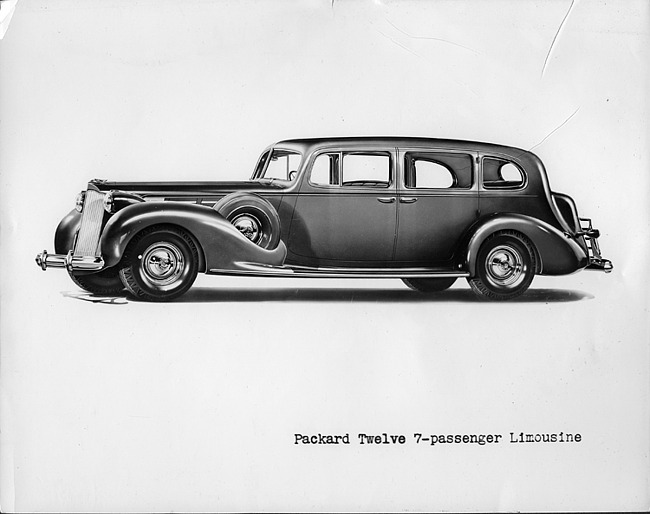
(91, 224)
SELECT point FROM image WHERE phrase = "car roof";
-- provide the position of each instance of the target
(309, 144)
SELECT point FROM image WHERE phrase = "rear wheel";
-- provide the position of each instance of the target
(429, 285)
(159, 264)
(105, 282)
(505, 267)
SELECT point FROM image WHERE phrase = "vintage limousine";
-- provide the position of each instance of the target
(427, 211)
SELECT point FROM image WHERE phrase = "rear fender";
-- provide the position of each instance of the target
(220, 244)
(557, 253)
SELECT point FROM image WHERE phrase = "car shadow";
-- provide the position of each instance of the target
(206, 295)
(95, 298)
(225, 295)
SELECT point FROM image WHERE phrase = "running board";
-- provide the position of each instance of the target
(260, 270)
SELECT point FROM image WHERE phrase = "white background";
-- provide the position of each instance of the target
(192, 406)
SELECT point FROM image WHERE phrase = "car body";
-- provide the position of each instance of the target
(425, 210)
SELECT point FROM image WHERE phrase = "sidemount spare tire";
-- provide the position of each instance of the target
(253, 216)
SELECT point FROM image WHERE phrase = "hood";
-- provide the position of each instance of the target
(190, 189)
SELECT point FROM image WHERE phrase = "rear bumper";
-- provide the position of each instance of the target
(591, 235)
(600, 265)
(69, 261)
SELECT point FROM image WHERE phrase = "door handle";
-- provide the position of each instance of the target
(386, 199)
(408, 199)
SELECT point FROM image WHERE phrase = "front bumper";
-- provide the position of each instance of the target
(69, 261)
(591, 235)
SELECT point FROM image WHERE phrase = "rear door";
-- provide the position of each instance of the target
(437, 203)
(346, 211)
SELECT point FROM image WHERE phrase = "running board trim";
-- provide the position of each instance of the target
(259, 270)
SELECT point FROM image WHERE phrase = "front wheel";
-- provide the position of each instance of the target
(159, 264)
(429, 285)
(505, 267)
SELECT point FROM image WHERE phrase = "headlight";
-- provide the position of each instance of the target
(108, 202)
(79, 202)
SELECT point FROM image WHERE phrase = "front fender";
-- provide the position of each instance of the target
(66, 232)
(558, 254)
(220, 244)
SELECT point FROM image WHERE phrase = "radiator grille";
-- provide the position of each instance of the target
(91, 224)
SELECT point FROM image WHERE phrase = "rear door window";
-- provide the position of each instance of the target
(438, 170)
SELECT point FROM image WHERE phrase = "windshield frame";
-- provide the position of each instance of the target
(265, 159)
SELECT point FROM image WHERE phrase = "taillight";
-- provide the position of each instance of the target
(568, 211)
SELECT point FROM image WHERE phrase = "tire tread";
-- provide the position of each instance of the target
(126, 269)
(483, 291)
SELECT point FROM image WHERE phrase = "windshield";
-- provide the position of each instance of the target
(278, 164)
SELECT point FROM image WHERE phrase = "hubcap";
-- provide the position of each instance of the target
(505, 266)
(162, 264)
(249, 226)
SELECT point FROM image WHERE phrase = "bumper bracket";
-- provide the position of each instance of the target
(591, 235)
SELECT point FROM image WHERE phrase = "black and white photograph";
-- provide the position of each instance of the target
(324, 256)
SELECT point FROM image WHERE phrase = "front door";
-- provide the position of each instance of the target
(346, 211)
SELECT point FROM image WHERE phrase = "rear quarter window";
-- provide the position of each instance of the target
(502, 174)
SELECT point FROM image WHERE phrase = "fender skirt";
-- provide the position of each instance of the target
(557, 253)
(220, 244)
